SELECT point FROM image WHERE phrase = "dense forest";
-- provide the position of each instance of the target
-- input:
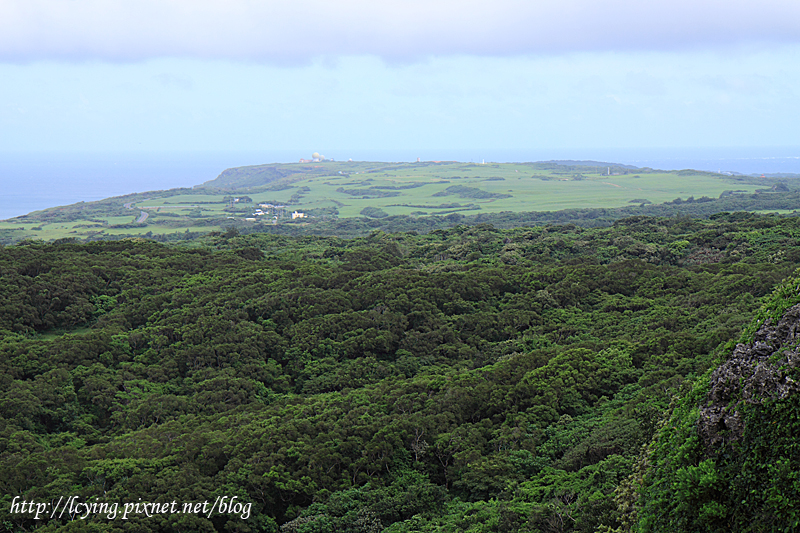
(473, 378)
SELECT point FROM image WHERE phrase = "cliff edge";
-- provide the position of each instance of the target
(728, 458)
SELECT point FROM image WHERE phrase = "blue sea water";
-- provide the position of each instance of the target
(33, 181)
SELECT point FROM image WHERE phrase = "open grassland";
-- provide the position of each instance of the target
(425, 189)
(358, 189)
(776, 211)
(82, 229)
(179, 199)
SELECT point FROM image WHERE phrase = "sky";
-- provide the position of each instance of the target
(312, 75)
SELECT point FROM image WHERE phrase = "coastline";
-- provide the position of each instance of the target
(32, 181)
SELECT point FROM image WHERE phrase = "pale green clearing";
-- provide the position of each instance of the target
(54, 231)
(775, 211)
(185, 199)
(162, 230)
(82, 229)
(113, 221)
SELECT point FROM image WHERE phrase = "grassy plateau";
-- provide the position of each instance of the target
(330, 189)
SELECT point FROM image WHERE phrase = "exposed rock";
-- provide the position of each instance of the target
(750, 376)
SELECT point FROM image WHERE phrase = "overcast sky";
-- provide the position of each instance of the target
(94, 75)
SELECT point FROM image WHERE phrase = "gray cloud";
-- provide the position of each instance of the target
(396, 30)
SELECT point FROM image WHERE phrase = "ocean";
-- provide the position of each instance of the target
(34, 181)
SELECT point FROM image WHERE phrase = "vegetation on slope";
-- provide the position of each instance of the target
(469, 379)
(728, 460)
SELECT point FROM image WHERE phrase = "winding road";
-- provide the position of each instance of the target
(142, 214)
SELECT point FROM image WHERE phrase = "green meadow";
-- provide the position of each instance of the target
(405, 189)
(358, 189)
(507, 188)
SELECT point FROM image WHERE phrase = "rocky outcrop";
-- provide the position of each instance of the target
(754, 373)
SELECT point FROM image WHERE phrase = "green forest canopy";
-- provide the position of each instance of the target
(467, 379)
